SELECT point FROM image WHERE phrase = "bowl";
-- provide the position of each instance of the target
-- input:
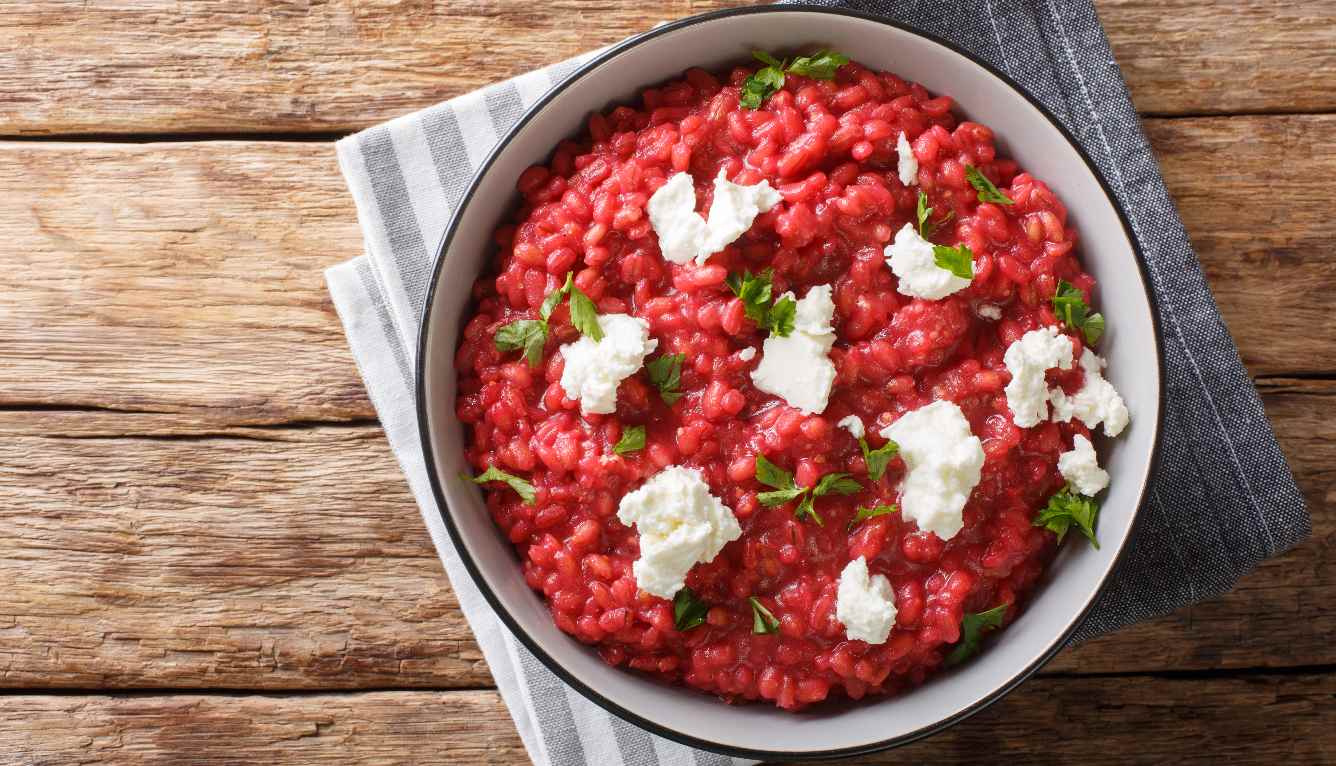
(1026, 132)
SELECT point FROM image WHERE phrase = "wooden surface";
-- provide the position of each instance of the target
(209, 555)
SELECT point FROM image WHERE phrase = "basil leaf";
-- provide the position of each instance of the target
(527, 334)
(688, 611)
(763, 621)
(665, 372)
(987, 191)
(583, 314)
(522, 487)
(782, 315)
(838, 484)
(806, 509)
(871, 513)
(553, 298)
(878, 458)
(957, 260)
(1070, 306)
(972, 628)
(780, 496)
(633, 438)
(820, 65)
(922, 215)
(767, 59)
(1066, 508)
(772, 475)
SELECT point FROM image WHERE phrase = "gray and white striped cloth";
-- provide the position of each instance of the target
(1223, 500)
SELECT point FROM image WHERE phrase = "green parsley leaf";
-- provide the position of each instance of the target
(782, 315)
(878, 458)
(522, 487)
(754, 292)
(688, 611)
(1066, 508)
(554, 298)
(763, 621)
(871, 513)
(957, 260)
(527, 334)
(583, 314)
(665, 373)
(759, 86)
(633, 438)
(780, 496)
(837, 484)
(972, 628)
(987, 191)
(925, 226)
(1070, 306)
(820, 65)
(772, 475)
(806, 509)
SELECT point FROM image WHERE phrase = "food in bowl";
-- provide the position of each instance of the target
(784, 386)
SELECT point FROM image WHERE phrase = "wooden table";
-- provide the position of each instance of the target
(208, 554)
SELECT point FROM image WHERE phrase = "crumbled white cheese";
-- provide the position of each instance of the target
(1028, 359)
(680, 523)
(1080, 467)
(733, 210)
(594, 369)
(865, 605)
(854, 425)
(909, 166)
(944, 460)
(685, 235)
(747, 354)
(672, 213)
(797, 368)
(989, 311)
(1097, 401)
(910, 257)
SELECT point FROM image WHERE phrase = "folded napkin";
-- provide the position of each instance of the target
(1222, 501)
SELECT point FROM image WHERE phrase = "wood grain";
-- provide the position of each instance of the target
(1260, 719)
(277, 558)
(185, 278)
(216, 66)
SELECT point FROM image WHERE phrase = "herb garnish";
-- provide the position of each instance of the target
(926, 227)
(633, 438)
(770, 78)
(665, 373)
(785, 490)
(878, 458)
(870, 513)
(522, 487)
(1070, 306)
(957, 260)
(531, 334)
(972, 628)
(1067, 508)
(763, 621)
(756, 293)
(987, 191)
(688, 611)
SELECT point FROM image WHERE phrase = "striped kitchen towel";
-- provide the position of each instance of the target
(1222, 501)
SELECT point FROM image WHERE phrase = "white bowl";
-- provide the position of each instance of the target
(1026, 133)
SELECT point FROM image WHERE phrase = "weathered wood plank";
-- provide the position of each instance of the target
(220, 66)
(1266, 719)
(176, 277)
(186, 278)
(290, 562)
(281, 558)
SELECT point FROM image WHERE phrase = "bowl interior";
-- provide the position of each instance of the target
(1025, 134)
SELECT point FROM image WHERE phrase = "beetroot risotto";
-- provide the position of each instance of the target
(783, 386)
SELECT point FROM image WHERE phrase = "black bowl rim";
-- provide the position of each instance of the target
(424, 432)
